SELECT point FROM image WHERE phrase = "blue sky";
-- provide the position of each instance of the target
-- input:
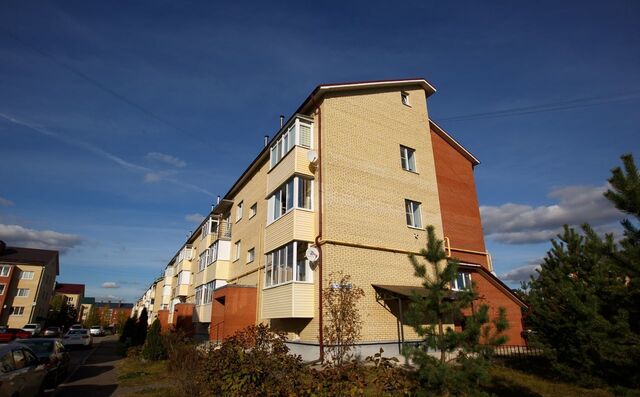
(119, 123)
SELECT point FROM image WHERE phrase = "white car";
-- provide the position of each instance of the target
(78, 337)
(96, 330)
(35, 329)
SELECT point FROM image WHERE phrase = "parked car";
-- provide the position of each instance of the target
(21, 373)
(76, 326)
(10, 334)
(53, 355)
(78, 337)
(35, 329)
(55, 332)
(110, 330)
(96, 330)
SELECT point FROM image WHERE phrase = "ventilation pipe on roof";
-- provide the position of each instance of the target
(281, 121)
(266, 140)
(218, 200)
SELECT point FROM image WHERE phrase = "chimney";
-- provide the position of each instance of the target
(281, 121)
(266, 140)
(212, 206)
(218, 200)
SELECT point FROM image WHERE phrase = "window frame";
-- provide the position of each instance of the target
(284, 144)
(23, 272)
(412, 223)
(466, 279)
(239, 211)
(3, 287)
(237, 250)
(251, 254)
(281, 194)
(408, 156)
(253, 210)
(2, 270)
(26, 294)
(12, 311)
(276, 262)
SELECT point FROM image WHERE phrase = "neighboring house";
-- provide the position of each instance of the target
(73, 295)
(110, 312)
(356, 174)
(27, 280)
(86, 304)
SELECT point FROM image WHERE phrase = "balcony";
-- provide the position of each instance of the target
(291, 300)
(224, 231)
(297, 224)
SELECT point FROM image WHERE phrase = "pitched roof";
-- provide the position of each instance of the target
(455, 144)
(28, 255)
(64, 288)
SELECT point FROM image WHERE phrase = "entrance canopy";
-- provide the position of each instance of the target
(386, 292)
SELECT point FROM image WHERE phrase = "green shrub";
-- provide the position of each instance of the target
(154, 348)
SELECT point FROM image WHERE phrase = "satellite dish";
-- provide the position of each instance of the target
(312, 156)
(312, 254)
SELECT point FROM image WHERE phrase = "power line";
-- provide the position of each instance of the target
(549, 107)
(101, 86)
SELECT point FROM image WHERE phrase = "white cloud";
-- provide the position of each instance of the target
(522, 273)
(156, 176)
(19, 236)
(110, 284)
(194, 217)
(166, 158)
(5, 202)
(523, 224)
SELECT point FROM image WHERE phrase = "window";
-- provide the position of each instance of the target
(298, 133)
(462, 281)
(203, 260)
(251, 255)
(253, 210)
(297, 192)
(184, 277)
(26, 275)
(288, 263)
(405, 98)
(413, 213)
(239, 211)
(22, 292)
(213, 253)
(4, 271)
(17, 310)
(236, 253)
(2, 287)
(408, 158)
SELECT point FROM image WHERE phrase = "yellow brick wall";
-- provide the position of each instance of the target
(40, 291)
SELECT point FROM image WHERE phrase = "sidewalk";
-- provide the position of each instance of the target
(97, 377)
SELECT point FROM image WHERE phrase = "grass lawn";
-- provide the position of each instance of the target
(511, 382)
(148, 379)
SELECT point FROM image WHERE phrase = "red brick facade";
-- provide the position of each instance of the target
(233, 309)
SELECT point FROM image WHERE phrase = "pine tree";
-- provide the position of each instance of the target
(585, 300)
(462, 361)
(154, 348)
(140, 333)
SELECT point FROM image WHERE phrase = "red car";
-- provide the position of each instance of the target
(9, 334)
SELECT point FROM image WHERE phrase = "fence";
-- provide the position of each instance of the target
(514, 351)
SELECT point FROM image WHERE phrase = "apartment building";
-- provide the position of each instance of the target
(349, 183)
(86, 304)
(73, 294)
(27, 280)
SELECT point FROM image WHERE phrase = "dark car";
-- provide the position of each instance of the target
(9, 334)
(21, 373)
(54, 332)
(52, 354)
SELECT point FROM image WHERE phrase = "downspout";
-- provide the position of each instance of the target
(319, 236)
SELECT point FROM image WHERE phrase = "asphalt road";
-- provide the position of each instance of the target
(92, 372)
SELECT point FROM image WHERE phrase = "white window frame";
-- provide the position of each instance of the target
(284, 144)
(411, 215)
(22, 292)
(237, 250)
(404, 97)
(274, 265)
(4, 270)
(279, 193)
(408, 159)
(13, 310)
(239, 208)
(29, 272)
(2, 288)
(466, 280)
(251, 255)
(253, 210)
